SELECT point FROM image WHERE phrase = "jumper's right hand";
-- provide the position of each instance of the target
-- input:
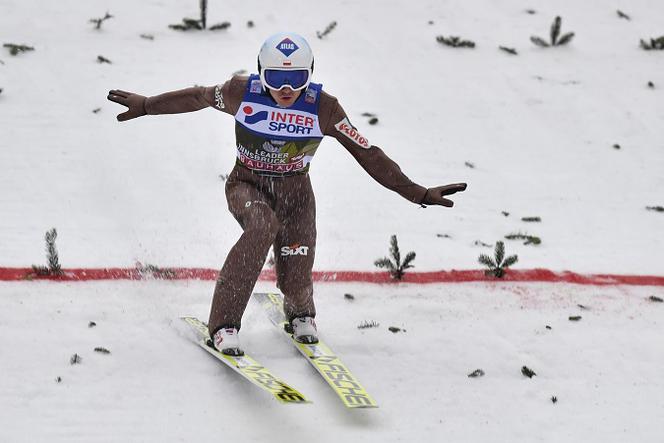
(135, 103)
(436, 196)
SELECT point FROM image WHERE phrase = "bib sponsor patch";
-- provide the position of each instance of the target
(276, 141)
(349, 131)
(275, 121)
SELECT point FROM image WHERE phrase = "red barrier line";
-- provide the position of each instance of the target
(521, 275)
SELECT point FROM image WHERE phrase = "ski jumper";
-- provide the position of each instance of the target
(269, 192)
(270, 195)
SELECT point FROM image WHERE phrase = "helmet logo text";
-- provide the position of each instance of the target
(287, 46)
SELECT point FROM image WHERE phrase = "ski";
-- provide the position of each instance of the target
(247, 367)
(328, 365)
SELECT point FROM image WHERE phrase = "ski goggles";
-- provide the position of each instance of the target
(277, 79)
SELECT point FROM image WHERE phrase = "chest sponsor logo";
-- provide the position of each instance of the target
(287, 47)
(252, 118)
(349, 131)
(269, 147)
(294, 250)
(279, 121)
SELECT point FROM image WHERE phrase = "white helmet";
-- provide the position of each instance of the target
(285, 59)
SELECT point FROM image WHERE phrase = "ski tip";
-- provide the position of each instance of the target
(192, 319)
(297, 402)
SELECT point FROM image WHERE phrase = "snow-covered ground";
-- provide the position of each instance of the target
(539, 129)
(156, 385)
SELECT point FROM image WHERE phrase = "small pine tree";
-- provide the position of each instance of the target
(189, 23)
(525, 370)
(203, 5)
(654, 44)
(623, 15)
(508, 50)
(54, 267)
(14, 49)
(220, 26)
(556, 39)
(327, 30)
(52, 252)
(455, 42)
(99, 21)
(368, 324)
(476, 373)
(497, 265)
(529, 239)
(395, 267)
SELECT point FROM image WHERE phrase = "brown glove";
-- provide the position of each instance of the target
(435, 196)
(135, 103)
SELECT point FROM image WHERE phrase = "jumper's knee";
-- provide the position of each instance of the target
(261, 222)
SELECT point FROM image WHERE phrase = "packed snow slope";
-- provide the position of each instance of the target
(538, 129)
(156, 385)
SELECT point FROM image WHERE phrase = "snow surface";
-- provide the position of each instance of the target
(539, 128)
(157, 385)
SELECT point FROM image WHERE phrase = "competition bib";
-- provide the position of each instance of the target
(273, 140)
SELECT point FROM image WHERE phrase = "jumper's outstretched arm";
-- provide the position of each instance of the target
(381, 167)
(174, 102)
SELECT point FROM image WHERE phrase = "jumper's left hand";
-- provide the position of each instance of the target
(436, 196)
(135, 103)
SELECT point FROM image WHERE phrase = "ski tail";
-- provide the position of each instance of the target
(247, 367)
(329, 366)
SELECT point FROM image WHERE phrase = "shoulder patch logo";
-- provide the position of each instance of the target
(287, 46)
(255, 87)
(218, 97)
(310, 96)
(349, 131)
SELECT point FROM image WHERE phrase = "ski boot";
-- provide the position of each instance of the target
(227, 342)
(304, 330)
